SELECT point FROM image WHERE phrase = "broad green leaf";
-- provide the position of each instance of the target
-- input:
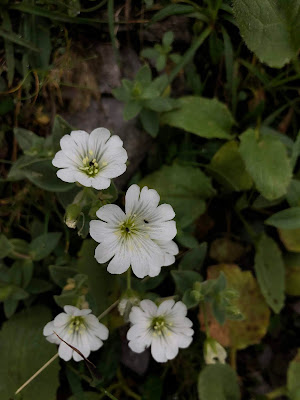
(185, 280)
(16, 172)
(293, 378)
(60, 275)
(131, 109)
(185, 188)
(150, 121)
(242, 333)
(43, 245)
(295, 151)
(229, 168)
(37, 286)
(5, 246)
(271, 178)
(144, 75)
(218, 382)
(189, 299)
(27, 139)
(293, 193)
(43, 174)
(194, 258)
(270, 272)
(24, 350)
(20, 249)
(286, 219)
(204, 117)
(59, 129)
(100, 282)
(291, 239)
(270, 28)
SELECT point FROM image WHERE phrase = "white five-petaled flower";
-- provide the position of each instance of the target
(141, 237)
(214, 352)
(165, 328)
(90, 159)
(80, 329)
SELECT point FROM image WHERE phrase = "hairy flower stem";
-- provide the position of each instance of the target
(111, 307)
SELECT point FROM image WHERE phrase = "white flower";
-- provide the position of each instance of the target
(214, 352)
(140, 237)
(80, 329)
(90, 159)
(165, 328)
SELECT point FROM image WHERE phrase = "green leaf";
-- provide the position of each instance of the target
(150, 121)
(172, 9)
(295, 151)
(43, 245)
(185, 188)
(218, 382)
(271, 178)
(229, 168)
(10, 307)
(5, 246)
(292, 277)
(189, 299)
(27, 139)
(293, 378)
(144, 75)
(37, 286)
(161, 104)
(204, 117)
(131, 109)
(286, 219)
(168, 38)
(270, 28)
(293, 193)
(43, 174)
(59, 129)
(60, 275)
(193, 259)
(24, 350)
(13, 37)
(185, 280)
(270, 272)
(16, 172)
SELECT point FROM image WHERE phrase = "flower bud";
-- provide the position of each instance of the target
(214, 352)
(72, 214)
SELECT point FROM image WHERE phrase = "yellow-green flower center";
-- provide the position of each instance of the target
(128, 227)
(160, 326)
(90, 165)
(77, 324)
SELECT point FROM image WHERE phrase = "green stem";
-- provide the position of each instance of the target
(108, 310)
(129, 278)
(93, 8)
(189, 53)
(281, 391)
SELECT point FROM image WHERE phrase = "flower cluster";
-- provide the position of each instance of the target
(140, 237)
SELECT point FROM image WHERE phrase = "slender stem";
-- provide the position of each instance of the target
(108, 310)
(281, 391)
(129, 278)
(37, 373)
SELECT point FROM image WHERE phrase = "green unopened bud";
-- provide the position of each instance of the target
(196, 295)
(72, 214)
(126, 303)
(197, 286)
(231, 294)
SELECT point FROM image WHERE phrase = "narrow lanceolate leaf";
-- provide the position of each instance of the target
(218, 382)
(13, 37)
(270, 28)
(204, 117)
(270, 272)
(286, 219)
(267, 162)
